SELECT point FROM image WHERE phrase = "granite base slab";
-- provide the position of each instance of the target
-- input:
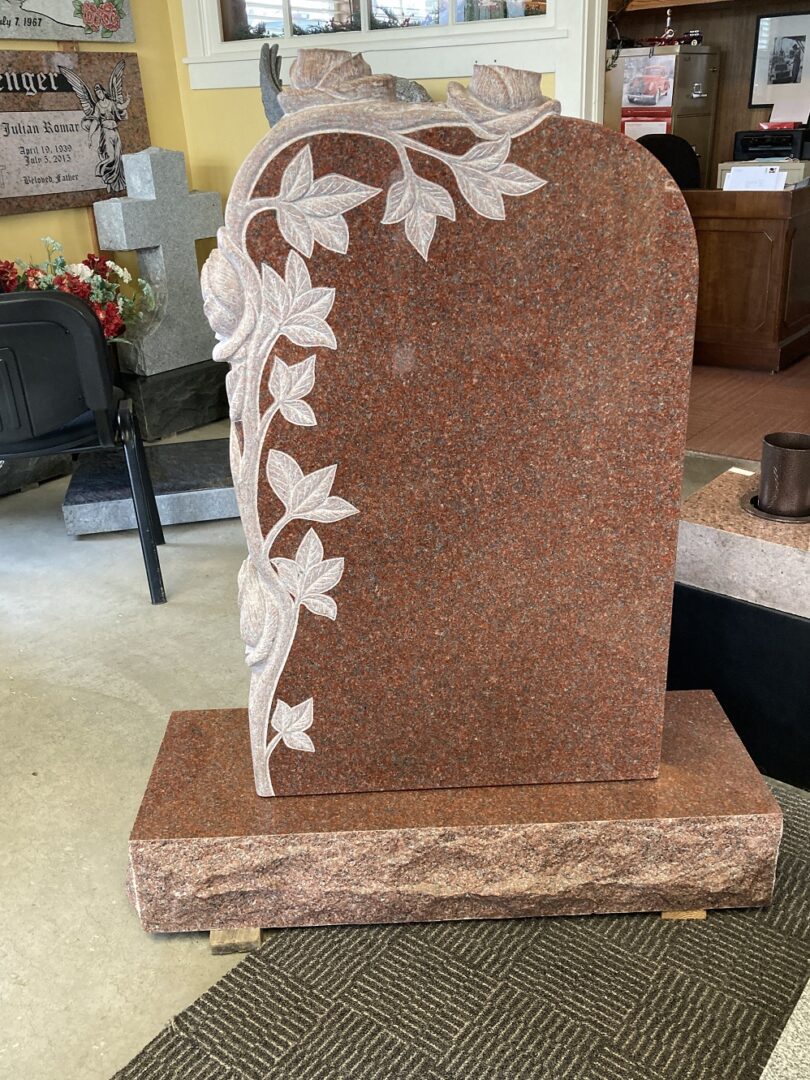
(207, 853)
(723, 549)
(17, 474)
(178, 400)
(192, 482)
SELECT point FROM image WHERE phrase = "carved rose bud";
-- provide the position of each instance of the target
(323, 76)
(221, 290)
(326, 68)
(252, 608)
(226, 282)
(506, 89)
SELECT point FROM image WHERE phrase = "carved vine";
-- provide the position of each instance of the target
(251, 309)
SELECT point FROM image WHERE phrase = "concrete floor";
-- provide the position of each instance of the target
(91, 671)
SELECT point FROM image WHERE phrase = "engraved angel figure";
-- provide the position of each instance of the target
(103, 110)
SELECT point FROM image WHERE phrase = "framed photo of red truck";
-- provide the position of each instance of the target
(648, 83)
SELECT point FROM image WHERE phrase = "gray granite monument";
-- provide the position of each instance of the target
(161, 220)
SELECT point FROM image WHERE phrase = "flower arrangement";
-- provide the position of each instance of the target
(98, 281)
(100, 15)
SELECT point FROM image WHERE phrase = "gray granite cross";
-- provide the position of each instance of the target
(161, 219)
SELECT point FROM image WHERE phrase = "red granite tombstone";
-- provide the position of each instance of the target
(460, 341)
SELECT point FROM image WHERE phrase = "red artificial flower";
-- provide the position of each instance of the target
(69, 283)
(98, 264)
(9, 276)
(112, 323)
(32, 277)
(91, 15)
(110, 18)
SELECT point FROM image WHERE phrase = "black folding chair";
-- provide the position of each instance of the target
(57, 396)
(677, 156)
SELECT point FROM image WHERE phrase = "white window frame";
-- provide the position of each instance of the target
(569, 41)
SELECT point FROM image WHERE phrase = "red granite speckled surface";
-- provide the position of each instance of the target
(509, 418)
(206, 851)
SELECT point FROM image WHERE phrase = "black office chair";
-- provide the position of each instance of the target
(57, 396)
(677, 156)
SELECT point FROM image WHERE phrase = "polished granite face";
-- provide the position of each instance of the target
(509, 418)
(206, 851)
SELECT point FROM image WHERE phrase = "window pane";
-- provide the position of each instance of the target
(325, 16)
(251, 18)
(386, 14)
(476, 10)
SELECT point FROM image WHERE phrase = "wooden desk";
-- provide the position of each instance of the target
(754, 295)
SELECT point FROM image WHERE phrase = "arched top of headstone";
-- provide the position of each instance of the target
(478, 314)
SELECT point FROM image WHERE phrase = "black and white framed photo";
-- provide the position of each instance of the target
(780, 72)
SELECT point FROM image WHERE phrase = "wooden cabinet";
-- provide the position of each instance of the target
(754, 293)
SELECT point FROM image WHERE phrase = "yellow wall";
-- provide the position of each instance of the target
(214, 128)
(19, 235)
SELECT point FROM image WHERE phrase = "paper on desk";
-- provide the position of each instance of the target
(755, 178)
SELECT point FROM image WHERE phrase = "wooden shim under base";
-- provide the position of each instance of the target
(699, 914)
(245, 939)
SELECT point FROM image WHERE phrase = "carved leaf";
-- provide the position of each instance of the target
(290, 574)
(310, 551)
(290, 306)
(513, 180)
(302, 377)
(304, 321)
(335, 194)
(322, 577)
(292, 723)
(484, 175)
(418, 202)
(321, 605)
(288, 385)
(283, 473)
(333, 509)
(311, 491)
(420, 228)
(275, 299)
(279, 384)
(298, 412)
(488, 155)
(297, 176)
(309, 330)
(296, 275)
(295, 228)
(331, 233)
(299, 740)
(481, 194)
